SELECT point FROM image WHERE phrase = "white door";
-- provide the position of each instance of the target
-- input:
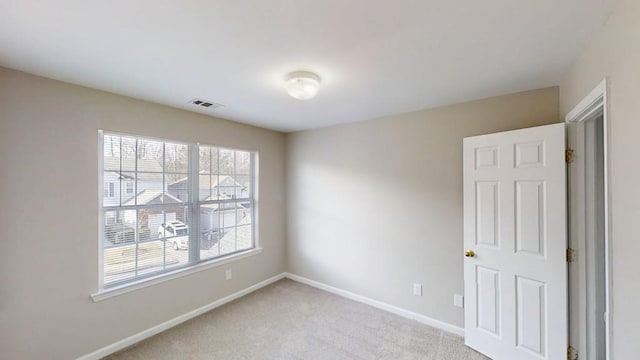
(515, 225)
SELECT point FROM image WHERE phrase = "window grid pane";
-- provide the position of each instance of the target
(147, 205)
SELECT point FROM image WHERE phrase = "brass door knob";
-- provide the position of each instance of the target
(469, 253)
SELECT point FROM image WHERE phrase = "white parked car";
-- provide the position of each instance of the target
(177, 234)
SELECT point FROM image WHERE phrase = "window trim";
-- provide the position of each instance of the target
(194, 264)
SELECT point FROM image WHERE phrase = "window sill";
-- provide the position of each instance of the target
(123, 289)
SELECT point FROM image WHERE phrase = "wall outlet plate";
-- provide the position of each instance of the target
(458, 300)
(417, 289)
(228, 274)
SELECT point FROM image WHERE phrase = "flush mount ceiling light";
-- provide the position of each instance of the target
(302, 85)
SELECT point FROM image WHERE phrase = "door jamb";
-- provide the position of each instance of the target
(591, 106)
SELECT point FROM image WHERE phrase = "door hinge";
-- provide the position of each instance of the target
(572, 354)
(568, 155)
(570, 255)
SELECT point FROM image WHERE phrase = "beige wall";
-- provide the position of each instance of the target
(615, 53)
(49, 217)
(376, 206)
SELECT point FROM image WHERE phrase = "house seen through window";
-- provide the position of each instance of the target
(162, 211)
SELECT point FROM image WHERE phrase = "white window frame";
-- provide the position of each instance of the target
(193, 204)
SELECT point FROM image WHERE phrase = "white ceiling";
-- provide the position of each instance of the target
(375, 57)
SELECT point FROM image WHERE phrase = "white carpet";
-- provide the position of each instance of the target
(289, 320)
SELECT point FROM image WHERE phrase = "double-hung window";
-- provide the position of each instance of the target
(170, 205)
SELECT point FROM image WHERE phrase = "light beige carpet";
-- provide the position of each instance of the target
(289, 320)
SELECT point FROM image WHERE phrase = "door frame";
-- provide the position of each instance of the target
(590, 108)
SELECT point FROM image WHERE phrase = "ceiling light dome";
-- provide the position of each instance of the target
(302, 85)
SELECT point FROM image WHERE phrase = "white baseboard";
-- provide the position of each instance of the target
(380, 305)
(110, 349)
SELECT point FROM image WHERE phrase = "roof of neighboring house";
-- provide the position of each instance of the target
(120, 176)
(147, 197)
(204, 179)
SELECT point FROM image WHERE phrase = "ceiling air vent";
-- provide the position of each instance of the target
(205, 104)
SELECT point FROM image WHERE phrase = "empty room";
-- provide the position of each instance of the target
(361, 179)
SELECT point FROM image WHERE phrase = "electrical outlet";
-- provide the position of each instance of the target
(417, 289)
(228, 274)
(458, 300)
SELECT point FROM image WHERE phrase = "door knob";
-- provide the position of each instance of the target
(469, 253)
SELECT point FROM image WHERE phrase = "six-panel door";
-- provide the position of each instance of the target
(515, 223)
